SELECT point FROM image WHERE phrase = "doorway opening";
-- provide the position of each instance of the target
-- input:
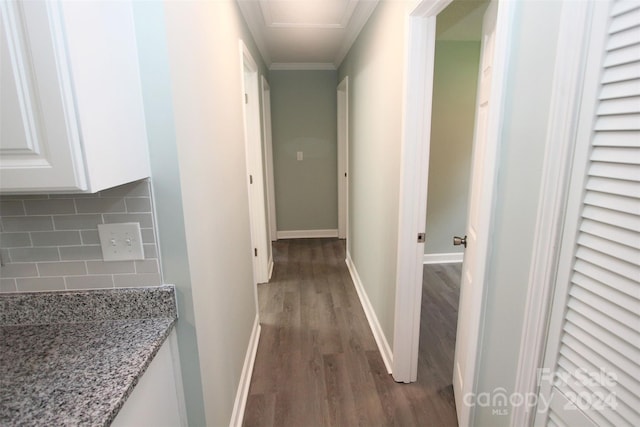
(453, 114)
(413, 204)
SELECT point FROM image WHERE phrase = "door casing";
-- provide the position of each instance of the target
(268, 161)
(568, 83)
(343, 159)
(254, 162)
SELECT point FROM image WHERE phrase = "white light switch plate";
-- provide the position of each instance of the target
(121, 242)
(299, 155)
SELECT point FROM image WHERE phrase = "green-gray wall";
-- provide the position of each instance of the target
(191, 74)
(452, 121)
(158, 105)
(304, 112)
(375, 66)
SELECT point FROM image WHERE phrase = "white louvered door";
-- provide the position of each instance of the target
(591, 374)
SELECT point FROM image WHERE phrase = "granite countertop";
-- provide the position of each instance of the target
(73, 358)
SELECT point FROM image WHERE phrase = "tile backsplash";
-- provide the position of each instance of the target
(50, 242)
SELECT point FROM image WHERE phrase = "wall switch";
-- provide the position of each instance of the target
(121, 242)
(299, 155)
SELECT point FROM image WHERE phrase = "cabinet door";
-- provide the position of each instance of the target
(40, 146)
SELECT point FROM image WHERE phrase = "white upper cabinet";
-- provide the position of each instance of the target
(72, 117)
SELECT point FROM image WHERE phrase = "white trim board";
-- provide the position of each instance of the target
(376, 329)
(279, 66)
(306, 234)
(443, 258)
(566, 94)
(237, 416)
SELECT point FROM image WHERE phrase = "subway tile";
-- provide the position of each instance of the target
(89, 282)
(40, 284)
(19, 270)
(147, 266)
(23, 196)
(80, 253)
(49, 207)
(100, 205)
(34, 254)
(11, 207)
(14, 240)
(4, 256)
(131, 280)
(90, 237)
(55, 238)
(138, 204)
(148, 235)
(64, 268)
(8, 285)
(133, 189)
(27, 223)
(144, 219)
(72, 196)
(150, 251)
(77, 222)
(110, 267)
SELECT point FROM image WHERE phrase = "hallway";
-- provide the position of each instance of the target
(317, 362)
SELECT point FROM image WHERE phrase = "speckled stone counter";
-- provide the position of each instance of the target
(73, 358)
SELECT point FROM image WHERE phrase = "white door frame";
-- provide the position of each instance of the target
(414, 179)
(568, 79)
(343, 159)
(253, 152)
(268, 153)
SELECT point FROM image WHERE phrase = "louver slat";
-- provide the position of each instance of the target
(601, 328)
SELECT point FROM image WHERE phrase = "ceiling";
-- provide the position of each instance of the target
(317, 34)
(305, 34)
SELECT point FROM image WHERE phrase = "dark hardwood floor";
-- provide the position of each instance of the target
(317, 362)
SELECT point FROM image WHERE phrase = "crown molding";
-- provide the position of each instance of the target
(358, 20)
(255, 22)
(280, 66)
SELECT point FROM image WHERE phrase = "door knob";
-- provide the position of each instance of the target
(457, 241)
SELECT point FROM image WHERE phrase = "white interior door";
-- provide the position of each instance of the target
(343, 158)
(255, 176)
(268, 153)
(469, 310)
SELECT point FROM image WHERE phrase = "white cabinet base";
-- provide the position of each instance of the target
(157, 400)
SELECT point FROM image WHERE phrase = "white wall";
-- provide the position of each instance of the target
(202, 41)
(375, 66)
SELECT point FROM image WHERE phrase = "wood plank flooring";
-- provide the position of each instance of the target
(317, 362)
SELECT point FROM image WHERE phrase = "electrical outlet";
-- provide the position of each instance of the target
(121, 242)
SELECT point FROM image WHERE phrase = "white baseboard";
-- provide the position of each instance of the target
(306, 234)
(378, 334)
(443, 258)
(271, 268)
(237, 416)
